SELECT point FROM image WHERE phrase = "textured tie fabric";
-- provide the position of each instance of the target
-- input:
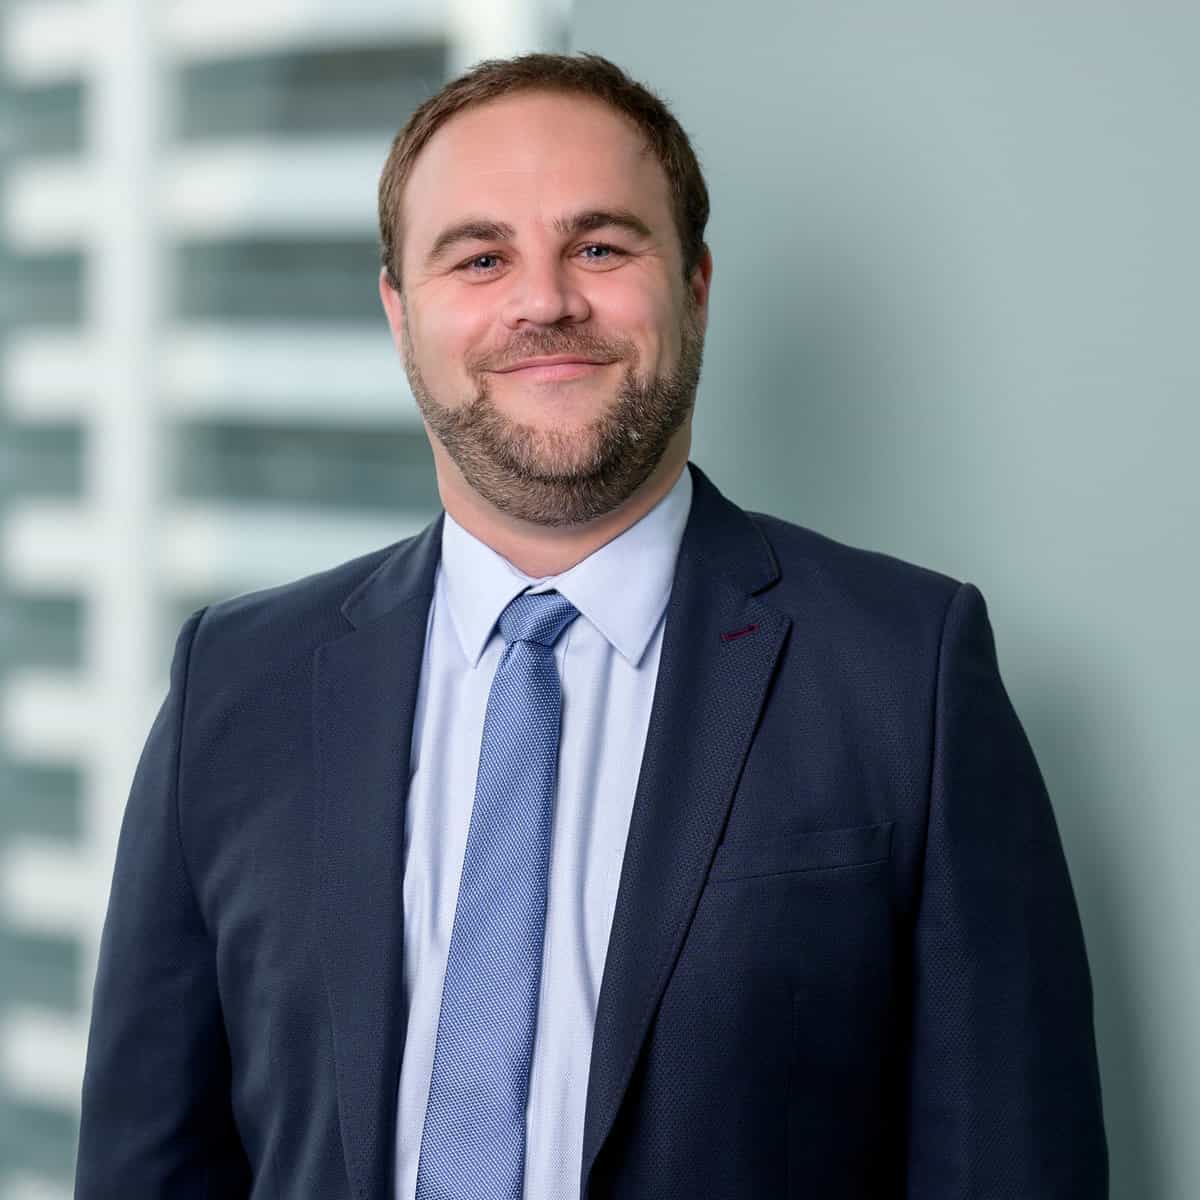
(473, 1142)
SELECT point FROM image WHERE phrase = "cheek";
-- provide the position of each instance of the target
(648, 321)
(445, 334)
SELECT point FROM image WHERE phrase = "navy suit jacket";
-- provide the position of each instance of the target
(845, 961)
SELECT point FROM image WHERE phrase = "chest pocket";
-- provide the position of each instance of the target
(815, 850)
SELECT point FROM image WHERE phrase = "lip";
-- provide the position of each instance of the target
(559, 366)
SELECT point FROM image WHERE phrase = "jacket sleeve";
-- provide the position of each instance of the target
(1004, 1090)
(156, 1119)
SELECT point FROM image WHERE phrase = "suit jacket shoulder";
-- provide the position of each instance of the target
(261, 635)
(873, 592)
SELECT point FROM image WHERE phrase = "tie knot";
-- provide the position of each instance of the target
(539, 617)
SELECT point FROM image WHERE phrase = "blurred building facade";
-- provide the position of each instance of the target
(198, 397)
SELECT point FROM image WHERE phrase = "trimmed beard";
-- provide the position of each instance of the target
(550, 477)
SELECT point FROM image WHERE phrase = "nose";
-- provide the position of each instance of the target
(544, 292)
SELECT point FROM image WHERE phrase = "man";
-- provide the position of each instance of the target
(603, 839)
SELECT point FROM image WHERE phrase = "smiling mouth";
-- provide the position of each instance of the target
(553, 369)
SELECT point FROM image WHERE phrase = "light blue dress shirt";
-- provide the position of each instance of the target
(608, 663)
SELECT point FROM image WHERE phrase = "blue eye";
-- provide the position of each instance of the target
(480, 258)
(487, 264)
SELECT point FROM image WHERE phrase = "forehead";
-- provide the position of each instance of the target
(534, 154)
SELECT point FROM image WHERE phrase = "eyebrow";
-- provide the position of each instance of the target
(481, 229)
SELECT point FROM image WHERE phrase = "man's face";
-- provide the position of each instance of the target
(541, 226)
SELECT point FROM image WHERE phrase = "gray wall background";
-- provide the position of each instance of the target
(954, 317)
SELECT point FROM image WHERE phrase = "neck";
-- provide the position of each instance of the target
(542, 550)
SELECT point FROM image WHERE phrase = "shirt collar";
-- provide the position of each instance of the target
(622, 588)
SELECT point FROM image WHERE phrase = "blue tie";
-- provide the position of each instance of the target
(473, 1143)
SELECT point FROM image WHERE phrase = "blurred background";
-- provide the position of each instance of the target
(954, 318)
(198, 397)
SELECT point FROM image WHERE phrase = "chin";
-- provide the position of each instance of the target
(567, 415)
(561, 457)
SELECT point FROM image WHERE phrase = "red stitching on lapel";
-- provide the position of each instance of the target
(733, 634)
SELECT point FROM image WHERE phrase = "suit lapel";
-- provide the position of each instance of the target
(719, 652)
(364, 695)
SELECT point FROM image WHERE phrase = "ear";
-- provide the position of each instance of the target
(700, 284)
(393, 307)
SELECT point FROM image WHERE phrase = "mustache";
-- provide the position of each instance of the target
(585, 345)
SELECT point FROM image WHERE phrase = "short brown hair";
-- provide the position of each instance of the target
(581, 74)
